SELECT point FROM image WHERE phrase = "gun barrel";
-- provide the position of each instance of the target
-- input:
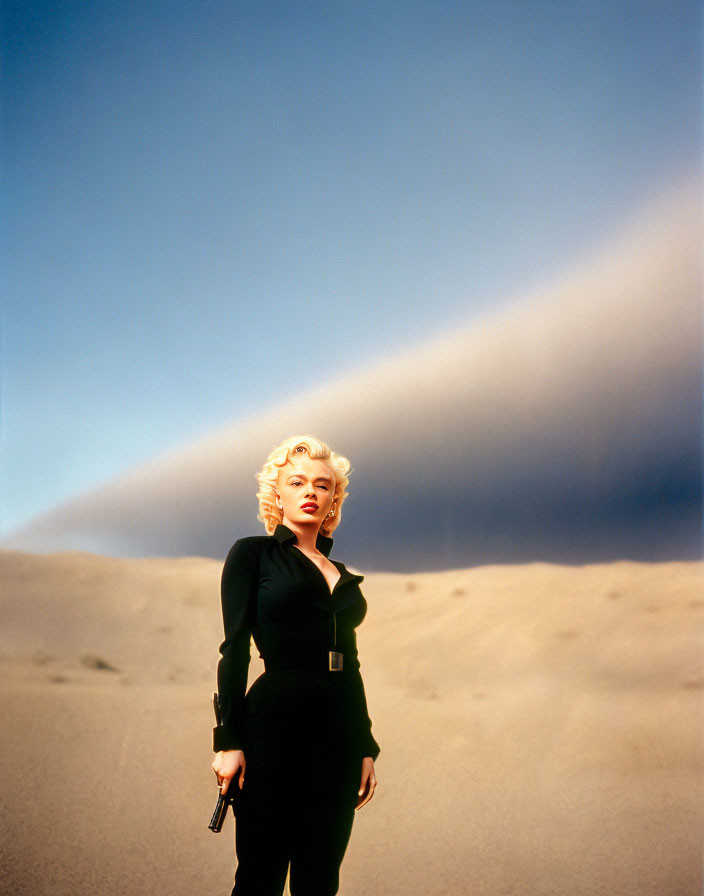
(218, 815)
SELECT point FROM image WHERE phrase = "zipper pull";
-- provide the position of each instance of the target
(334, 658)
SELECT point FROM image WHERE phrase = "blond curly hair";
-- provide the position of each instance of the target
(269, 513)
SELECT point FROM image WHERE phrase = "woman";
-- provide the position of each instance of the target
(298, 748)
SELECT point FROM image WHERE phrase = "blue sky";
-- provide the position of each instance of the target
(208, 205)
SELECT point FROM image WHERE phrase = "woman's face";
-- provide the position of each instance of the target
(306, 489)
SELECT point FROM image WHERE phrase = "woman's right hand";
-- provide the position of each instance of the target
(226, 765)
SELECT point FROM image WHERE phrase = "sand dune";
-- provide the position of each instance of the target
(566, 426)
(540, 729)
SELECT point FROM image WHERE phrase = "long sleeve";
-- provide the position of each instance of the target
(238, 596)
(369, 745)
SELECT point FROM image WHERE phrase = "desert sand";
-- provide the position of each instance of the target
(540, 729)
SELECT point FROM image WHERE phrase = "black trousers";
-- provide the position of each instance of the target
(298, 802)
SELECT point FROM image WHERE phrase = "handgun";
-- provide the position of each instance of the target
(224, 799)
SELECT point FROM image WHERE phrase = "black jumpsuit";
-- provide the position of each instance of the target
(304, 729)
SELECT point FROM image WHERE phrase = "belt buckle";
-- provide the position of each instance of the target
(334, 661)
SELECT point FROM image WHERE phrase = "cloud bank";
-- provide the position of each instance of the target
(566, 427)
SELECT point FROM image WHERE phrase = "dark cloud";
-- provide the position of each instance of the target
(566, 428)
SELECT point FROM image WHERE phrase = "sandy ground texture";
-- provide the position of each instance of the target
(540, 729)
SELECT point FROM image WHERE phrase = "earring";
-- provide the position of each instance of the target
(332, 512)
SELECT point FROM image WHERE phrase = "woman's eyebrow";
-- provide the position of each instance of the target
(322, 478)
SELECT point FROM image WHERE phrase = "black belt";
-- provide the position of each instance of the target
(332, 661)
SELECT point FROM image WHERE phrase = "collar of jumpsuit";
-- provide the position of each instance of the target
(283, 534)
(341, 595)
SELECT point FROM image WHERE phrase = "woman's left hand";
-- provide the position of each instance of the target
(368, 783)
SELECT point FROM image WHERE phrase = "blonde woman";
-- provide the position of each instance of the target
(296, 751)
